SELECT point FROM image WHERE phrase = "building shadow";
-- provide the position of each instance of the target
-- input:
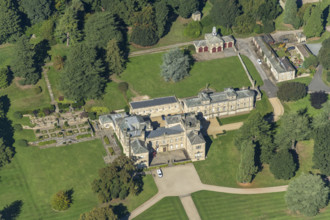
(12, 211)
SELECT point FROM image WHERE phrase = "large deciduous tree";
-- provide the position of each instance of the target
(187, 7)
(4, 75)
(82, 78)
(290, 12)
(24, 64)
(10, 21)
(101, 213)
(307, 194)
(324, 54)
(321, 156)
(314, 25)
(115, 57)
(247, 167)
(37, 10)
(294, 127)
(292, 91)
(68, 25)
(282, 165)
(144, 30)
(258, 130)
(224, 12)
(175, 65)
(102, 27)
(318, 98)
(117, 180)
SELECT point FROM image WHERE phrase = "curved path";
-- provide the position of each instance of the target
(184, 180)
(277, 107)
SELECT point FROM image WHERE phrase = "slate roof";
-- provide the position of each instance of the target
(303, 49)
(154, 102)
(217, 97)
(227, 38)
(280, 65)
(104, 119)
(173, 119)
(165, 131)
(132, 125)
(195, 138)
(200, 43)
(138, 147)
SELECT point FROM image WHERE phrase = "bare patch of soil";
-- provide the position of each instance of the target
(140, 98)
(247, 185)
(23, 87)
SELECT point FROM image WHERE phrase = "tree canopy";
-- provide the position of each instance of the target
(60, 201)
(102, 27)
(162, 16)
(292, 91)
(224, 12)
(282, 165)
(187, 7)
(176, 65)
(318, 98)
(247, 167)
(10, 21)
(314, 25)
(117, 180)
(114, 57)
(83, 74)
(324, 53)
(4, 78)
(290, 12)
(24, 65)
(307, 194)
(37, 10)
(102, 213)
(321, 156)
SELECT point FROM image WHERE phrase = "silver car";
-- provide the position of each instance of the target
(159, 173)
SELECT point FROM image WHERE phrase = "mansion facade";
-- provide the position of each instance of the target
(213, 43)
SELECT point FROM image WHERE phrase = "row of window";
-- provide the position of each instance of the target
(168, 141)
(158, 109)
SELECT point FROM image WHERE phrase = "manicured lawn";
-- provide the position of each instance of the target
(326, 77)
(143, 74)
(303, 103)
(6, 54)
(168, 208)
(149, 190)
(305, 80)
(35, 175)
(252, 70)
(234, 119)
(223, 158)
(214, 205)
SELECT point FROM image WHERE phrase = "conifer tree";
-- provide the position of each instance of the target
(290, 12)
(115, 57)
(4, 72)
(247, 168)
(175, 65)
(314, 25)
(10, 21)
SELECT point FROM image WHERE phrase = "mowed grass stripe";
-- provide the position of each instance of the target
(168, 208)
(214, 205)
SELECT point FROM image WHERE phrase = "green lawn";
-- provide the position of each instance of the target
(303, 103)
(169, 208)
(252, 70)
(223, 158)
(35, 175)
(143, 74)
(305, 80)
(6, 54)
(214, 205)
(326, 77)
(149, 190)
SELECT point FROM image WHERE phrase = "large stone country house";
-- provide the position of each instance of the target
(213, 43)
(139, 139)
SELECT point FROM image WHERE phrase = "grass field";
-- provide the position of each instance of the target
(169, 208)
(6, 54)
(214, 205)
(35, 175)
(223, 158)
(301, 104)
(252, 70)
(305, 80)
(143, 74)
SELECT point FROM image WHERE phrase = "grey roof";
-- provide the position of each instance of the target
(154, 102)
(138, 147)
(197, 13)
(173, 119)
(268, 38)
(304, 50)
(165, 131)
(314, 48)
(195, 138)
(132, 125)
(227, 38)
(211, 39)
(200, 43)
(280, 65)
(300, 34)
(105, 119)
(217, 97)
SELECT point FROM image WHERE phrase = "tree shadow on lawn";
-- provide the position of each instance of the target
(121, 211)
(12, 211)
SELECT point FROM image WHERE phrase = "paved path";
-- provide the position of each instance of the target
(190, 208)
(159, 49)
(277, 107)
(183, 180)
(317, 83)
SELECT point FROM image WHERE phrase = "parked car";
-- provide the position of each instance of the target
(163, 117)
(159, 173)
(291, 48)
(285, 40)
(259, 61)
